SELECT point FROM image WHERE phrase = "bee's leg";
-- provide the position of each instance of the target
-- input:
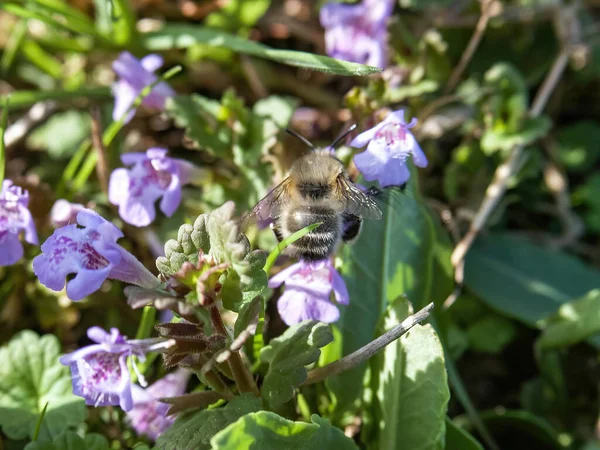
(350, 227)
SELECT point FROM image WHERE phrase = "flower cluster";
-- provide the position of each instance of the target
(14, 218)
(153, 175)
(390, 143)
(135, 75)
(99, 371)
(358, 32)
(91, 253)
(308, 292)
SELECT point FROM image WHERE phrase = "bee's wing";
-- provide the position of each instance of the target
(268, 206)
(358, 202)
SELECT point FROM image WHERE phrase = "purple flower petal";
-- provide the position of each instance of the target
(295, 306)
(14, 218)
(124, 97)
(152, 62)
(64, 213)
(91, 253)
(11, 249)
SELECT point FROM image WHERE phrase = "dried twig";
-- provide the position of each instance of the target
(36, 114)
(364, 353)
(487, 9)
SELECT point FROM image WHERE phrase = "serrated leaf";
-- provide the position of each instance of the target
(194, 431)
(30, 377)
(217, 234)
(71, 441)
(249, 313)
(459, 439)
(269, 431)
(174, 35)
(287, 356)
(526, 281)
(574, 322)
(410, 386)
(393, 256)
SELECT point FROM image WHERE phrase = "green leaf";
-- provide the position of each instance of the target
(531, 130)
(173, 36)
(574, 322)
(73, 127)
(278, 109)
(30, 377)
(523, 280)
(287, 355)
(237, 14)
(281, 246)
(194, 431)
(410, 386)
(268, 431)
(579, 145)
(218, 235)
(249, 313)
(71, 441)
(393, 256)
(491, 334)
(459, 439)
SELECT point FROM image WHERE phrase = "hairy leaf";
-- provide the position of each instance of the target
(30, 377)
(268, 431)
(410, 386)
(194, 431)
(71, 441)
(288, 355)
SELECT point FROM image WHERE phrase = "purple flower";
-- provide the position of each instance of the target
(99, 371)
(152, 176)
(149, 416)
(91, 253)
(390, 144)
(14, 218)
(307, 293)
(135, 75)
(64, 213)
(357, 32)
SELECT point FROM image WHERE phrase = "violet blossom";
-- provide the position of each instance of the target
(135, 75)
(14, 218)
(99, 371)
(308, 287)
(149, 415)
(91, 253)
(390, 143)
(153, 175)
(357, 33)
(64, 212)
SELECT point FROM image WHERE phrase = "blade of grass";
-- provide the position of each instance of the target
(21, 99)
(287, 241)
(12, 45)
(41, 58)
(38, 425)
(143, 332)
(113, 129)
(124, 21)
(3, 122)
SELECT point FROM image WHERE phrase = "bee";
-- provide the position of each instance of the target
(317, 189)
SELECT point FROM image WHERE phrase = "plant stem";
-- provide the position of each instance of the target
(364, 353)
(241, 374)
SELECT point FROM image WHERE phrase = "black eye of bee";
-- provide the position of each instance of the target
(314, 191)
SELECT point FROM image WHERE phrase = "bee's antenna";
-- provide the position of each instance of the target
(343, 135)
(299, 136)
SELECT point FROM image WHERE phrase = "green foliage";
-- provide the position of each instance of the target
(72, 127)
(268, 431)
(523, 280)
(376, 273)
(410, 388)
(573, 322)
(237, 14)
(217, 234)
(579, 145)
(459, 439)
(194, 431)
(287, 356)
(71, 441)
(173, 36)
(491, 334)
(30, 377)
